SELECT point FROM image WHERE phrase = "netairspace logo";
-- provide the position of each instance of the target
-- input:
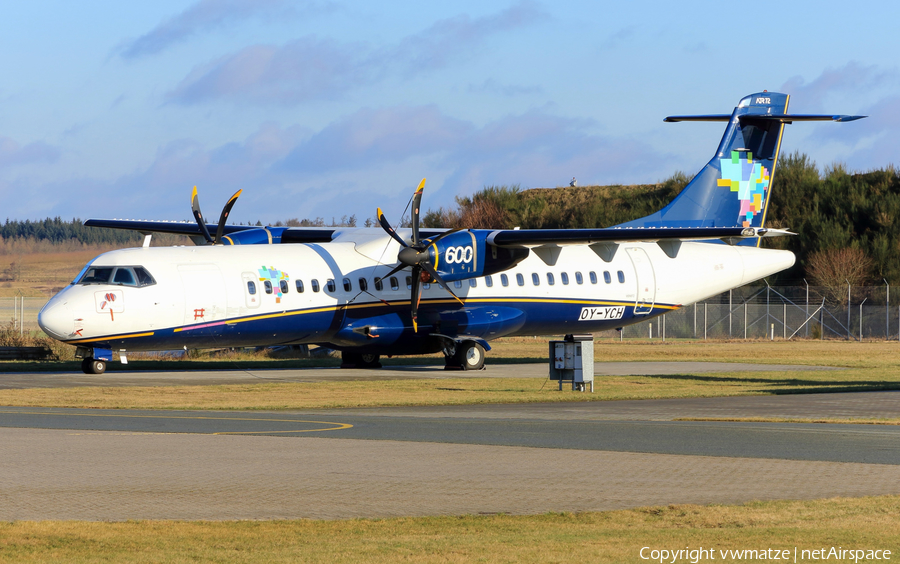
(695, 555)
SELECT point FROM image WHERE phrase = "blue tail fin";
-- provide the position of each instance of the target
(733, 189)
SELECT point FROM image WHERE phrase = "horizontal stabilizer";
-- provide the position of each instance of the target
(783, 118)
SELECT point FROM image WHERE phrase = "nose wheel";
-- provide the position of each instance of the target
(93, 366)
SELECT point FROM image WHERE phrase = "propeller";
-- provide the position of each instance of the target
(416, 255)
(198, 215)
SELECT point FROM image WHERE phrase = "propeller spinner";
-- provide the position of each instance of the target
(416, 255)
(220, 228)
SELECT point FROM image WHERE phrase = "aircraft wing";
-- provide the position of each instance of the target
(537, 237)
(191, 229)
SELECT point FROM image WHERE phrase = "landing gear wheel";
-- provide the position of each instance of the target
(357, 360)
(470, 355)
(370, 360)
(93, 366)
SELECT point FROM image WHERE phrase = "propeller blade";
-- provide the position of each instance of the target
(417, 199)
(390, 230)
(430, 270)
(195, 207)
(225, 211)
(397, 269)
(416, 296)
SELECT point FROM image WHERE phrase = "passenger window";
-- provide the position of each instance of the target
(621, 277)
(520, 280)
(268, 286)
(579, 279)
(299, 284)
(125, 277)
(409, 282)
(488, 281)
(550, 280)
(315, 285)
(251, 287)
(535, 279)
(363, 284)
(472, 283)
(379, 285)
(395, 284)
(426, 285)
(593, 276)
(284, 286)
(457, 283)
(329, 285)
(504, 280)
(347, 286)
(143, 277)
(606, 277)
(565, 278)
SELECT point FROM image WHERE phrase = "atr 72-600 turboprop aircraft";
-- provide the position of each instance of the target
(372, 292)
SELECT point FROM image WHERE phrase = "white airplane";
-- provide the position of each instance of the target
(373, 292)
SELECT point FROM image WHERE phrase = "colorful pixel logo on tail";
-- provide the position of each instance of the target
(751, 182)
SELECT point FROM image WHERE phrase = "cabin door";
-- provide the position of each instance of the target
(644, 279)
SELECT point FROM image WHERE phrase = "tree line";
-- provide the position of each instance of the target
(847, 224)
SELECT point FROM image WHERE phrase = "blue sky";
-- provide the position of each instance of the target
(321, 108)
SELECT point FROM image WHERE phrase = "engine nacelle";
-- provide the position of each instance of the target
(259, 236)
(465, 254)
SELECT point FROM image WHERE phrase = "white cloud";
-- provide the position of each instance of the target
(314, 69)
(207, 15)
(12, 153)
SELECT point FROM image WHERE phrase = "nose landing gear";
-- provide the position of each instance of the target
(93, 366)
(93, 360)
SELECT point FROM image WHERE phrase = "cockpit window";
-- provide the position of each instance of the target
(97, 275)
(117, 275)
(143, 277)
(124, 276)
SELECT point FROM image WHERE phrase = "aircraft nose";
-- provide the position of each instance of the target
(56, 320)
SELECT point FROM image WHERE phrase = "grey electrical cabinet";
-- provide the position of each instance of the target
(572, 360)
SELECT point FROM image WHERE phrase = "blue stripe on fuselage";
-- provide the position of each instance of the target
(488, 318)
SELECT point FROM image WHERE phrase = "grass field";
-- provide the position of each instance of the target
(613, 536)
(867, 366)
(616, 536)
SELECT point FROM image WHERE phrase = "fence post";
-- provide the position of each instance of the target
(745, 320)
(695, 320)
(848, 310)
(822, 321)
(807, 306)
(664, 327)
(729, 314)
(784, 320)
(887, 312)
(860, 318)
(705, 312)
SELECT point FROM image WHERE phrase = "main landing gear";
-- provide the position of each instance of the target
(467, 355)
(360, 360)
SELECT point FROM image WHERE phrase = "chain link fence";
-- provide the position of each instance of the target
(749, 312)
(21, 313)
(781, 312)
